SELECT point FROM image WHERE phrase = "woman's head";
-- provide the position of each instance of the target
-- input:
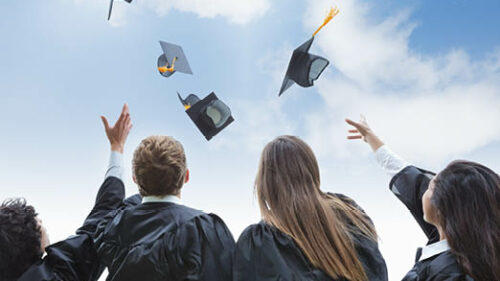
(288, 189)
(287, 167)
(465, 202)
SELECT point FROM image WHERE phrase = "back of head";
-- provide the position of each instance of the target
(159, 166)
(467, 199)
(20, 245)
(288, 190)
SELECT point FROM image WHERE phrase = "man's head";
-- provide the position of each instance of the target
(159, 166)
(22, 238)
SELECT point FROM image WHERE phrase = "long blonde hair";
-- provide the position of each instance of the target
(288, 189)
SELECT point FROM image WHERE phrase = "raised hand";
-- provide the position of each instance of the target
(117, 135)
(363, 131)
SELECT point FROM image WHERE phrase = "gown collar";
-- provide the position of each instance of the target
(434, 249)
(168, 198)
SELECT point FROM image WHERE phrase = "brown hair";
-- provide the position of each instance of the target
(467, 198)
(288, 190)
(159, 166)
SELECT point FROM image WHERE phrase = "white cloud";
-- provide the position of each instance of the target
(239, 11)
(430, 108)
(235, 11)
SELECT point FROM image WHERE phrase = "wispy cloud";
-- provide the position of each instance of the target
(262, 117)
(237, 12)
(429, 107)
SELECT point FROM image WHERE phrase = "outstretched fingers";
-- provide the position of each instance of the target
(105, 123)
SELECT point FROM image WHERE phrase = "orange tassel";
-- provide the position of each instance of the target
(331, 14)
(163, 69)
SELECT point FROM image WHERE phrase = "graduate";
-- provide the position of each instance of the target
(305, 233)
(458, 209)
(23, 241)
(158, 237)
(24, 238)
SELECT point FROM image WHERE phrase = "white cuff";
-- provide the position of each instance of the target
(389, 161)
(115, 168)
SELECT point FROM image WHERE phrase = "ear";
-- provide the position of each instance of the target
(186, 179)
(133, 178)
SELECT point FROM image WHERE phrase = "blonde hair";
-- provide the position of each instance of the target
(288, 190)
(159, 166)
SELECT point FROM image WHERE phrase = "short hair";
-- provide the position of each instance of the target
(159, 166)
(20, 238)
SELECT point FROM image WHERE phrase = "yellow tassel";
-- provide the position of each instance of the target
(163, 69)
(333, 12)
(187, 106)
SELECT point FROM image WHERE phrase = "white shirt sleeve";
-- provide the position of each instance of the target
(115, 168)
(390, 162)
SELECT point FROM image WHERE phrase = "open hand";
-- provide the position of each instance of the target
(117, 135)
(363, 131)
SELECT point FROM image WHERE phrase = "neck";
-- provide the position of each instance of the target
(442, 234)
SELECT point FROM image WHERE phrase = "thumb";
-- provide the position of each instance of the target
(105, 122)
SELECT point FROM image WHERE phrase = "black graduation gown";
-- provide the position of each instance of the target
(264, 253)
(72, 259)
(75, 258)
(164, 241)
(409, 186)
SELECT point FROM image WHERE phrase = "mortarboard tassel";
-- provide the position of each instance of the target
(163, 69)
(333, 12)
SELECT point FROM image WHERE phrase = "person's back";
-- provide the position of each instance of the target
(263, 251)
(305, 234)
(161, 239)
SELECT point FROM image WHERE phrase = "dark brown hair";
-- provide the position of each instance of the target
(20, 235)
(467, 199)
(159, 166)
(288, 190)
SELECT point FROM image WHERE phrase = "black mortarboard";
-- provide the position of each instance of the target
(111, 7)
(173, 59)
(210, 114)
(304, 68)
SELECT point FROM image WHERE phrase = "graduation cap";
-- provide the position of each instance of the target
(173, 59)
(111, 7)
(304, 68)
(210, 114)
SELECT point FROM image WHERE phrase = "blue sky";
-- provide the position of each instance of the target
(424, 72)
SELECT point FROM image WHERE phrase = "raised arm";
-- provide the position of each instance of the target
(111, 194)
(390, 162)
(408, 183)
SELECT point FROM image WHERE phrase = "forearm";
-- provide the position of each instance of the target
(374, 142)
(115, 167)
(389, 161)
(110, 195)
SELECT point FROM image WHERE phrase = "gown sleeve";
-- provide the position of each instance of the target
(72, 259)
(244, 262)
(110, 197)
(409, 186)
(203, 250)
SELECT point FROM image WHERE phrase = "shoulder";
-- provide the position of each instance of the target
(196, 221)
(351, 205)
(262, 236)
(346, 199)
(187, 215)
(72, 259)
(443, 267)
(445, 263)
(257, 230)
